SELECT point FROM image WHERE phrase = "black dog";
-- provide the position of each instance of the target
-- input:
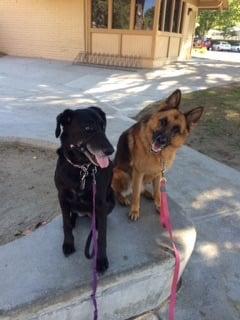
(84, 149)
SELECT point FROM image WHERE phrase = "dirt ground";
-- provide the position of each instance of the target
(218, 133)
(28, 195)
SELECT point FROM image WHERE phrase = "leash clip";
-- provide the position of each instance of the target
(94, 171)
(83, 175)
(83, 181)
(163, 178)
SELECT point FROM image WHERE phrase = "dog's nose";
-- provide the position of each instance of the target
(162, 139)
(108, 150)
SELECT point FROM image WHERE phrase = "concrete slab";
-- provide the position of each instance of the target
(208, 193)
(33, 91)
(40, 283)
(39, 122)
(125, 91)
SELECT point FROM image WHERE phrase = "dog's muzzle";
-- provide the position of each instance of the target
(159, 143)
(98, 158)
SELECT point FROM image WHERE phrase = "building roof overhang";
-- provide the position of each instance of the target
(213, 4)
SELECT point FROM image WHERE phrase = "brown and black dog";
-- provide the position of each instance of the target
(146, 148)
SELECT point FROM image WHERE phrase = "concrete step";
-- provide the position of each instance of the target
(40, 283)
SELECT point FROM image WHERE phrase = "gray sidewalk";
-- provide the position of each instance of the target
(33, 92)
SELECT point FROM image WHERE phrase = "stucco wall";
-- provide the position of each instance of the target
(188, 32)
(42, 28)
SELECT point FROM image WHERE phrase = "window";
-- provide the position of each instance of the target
(182, 17)
(99, 13)
(171, 16)
(177, 13)
(141, 13)
(121, 14)
(144, 14)
(168, 14)
(162, 15)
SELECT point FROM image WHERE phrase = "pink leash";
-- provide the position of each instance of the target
(95, 249)
(166, 223)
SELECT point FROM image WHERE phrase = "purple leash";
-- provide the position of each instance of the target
(95, 250)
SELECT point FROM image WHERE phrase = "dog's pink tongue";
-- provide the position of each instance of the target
(103, 161)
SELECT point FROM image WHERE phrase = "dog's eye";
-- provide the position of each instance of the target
(175, 130)
(88, 128)
(163, 122)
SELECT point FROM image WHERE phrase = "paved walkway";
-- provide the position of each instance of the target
(218, 55)
(33, 92)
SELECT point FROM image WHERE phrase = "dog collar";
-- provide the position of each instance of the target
(83, 171)
(83, 167)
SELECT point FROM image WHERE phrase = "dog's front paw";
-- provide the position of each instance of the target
(134, 215)
(158, 208)
(102, 265)
(68, 248)
(124, 201)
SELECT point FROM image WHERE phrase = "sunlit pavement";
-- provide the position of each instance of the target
(34, 91)
(44, 83)
(219, 56)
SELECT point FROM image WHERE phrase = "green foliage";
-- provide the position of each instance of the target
(228, 19)
(121, 14)
(221, 20)
(206, 21)
(148, 18)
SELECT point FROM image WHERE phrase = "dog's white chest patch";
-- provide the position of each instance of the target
(82, 214)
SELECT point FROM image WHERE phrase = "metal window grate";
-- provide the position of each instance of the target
(106, 60)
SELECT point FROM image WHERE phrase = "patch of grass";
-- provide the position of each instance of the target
(218, 133)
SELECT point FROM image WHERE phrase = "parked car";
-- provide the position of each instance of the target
(235, 47)
(221, 46)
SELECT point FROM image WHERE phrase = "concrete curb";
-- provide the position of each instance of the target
(40, 283)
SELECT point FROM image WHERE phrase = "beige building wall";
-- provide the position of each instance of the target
(188, 32)
(151, 48)
(42, 28)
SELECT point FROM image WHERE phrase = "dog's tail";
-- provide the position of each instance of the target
(87, 247)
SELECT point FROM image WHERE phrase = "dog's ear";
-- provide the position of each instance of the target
(193, 116)
(173, 101)
(101, 114)
(63, 119)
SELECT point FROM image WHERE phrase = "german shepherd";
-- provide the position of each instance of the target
(148, 147)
